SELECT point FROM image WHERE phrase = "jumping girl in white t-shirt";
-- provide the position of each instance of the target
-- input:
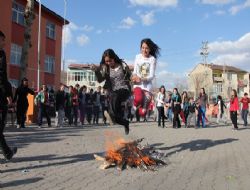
(143, 74)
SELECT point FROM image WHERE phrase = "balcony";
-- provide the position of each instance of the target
(242, 83)
(218, 79)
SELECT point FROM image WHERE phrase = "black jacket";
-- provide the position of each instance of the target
(5, 86)
(21, 96)
(60, 99)
(102, 74)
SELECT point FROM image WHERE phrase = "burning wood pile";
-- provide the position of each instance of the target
(132, 155)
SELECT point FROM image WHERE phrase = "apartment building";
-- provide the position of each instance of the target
(12, 23)
(218, 80)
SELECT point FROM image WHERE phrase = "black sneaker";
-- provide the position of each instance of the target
(11, 154)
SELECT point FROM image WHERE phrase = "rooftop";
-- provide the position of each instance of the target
(87, 66)
(47, 10)
(225, 67)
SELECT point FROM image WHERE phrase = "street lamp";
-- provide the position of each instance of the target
(38, 45)
(64, 23)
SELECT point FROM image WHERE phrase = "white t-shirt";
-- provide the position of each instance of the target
(160, 99)
(144, 67)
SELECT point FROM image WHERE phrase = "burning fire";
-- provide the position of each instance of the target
(123, 154)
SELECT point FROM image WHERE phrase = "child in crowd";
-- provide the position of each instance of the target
(191, 107)
(221, 107)
(245, 107)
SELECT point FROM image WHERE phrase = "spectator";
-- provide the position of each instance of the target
(42, 100)
(244, 111)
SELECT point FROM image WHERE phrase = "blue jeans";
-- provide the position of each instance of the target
(201, 116)
(244, 114)
(169, 114)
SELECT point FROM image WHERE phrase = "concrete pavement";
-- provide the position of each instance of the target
(215, 158)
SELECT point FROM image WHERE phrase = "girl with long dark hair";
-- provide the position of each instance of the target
(185, 104)
(160, 106)
(116, 74)
(176, 107)
(234, 108)
(203, 103)
(221, 107)
(143, 75)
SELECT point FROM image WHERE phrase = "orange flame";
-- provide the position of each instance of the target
(119, 151)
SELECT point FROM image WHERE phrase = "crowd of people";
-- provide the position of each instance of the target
(125, 95)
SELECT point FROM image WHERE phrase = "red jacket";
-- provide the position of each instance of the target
(234, 104)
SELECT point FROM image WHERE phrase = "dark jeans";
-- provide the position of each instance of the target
(161, 116)
(244, 114)
(75, 114)
(21, 114)
(186, 112)
(115, 107)
(176, 119)
(3, 145)
(82, 109)
(96, 110)
(89, 111)
(72, 114)
(43, 111)
(233, 115)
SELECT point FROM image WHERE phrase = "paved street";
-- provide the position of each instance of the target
(215, 158)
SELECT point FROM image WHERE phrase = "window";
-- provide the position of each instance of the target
(229, 76)
(18, 13)
(91, 76)
(50, 30)
(49, 64)
(217, 88)
(15, 54)
(78, 76)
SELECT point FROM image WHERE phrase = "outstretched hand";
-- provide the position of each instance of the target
(135, 79)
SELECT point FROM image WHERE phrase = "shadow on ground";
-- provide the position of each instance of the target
(196, 145)
(46, 161)
(23, 137)
(20, 182)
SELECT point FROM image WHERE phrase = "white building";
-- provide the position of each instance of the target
(82, 74)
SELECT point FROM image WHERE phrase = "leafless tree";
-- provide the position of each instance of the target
(29, 17)
(199, 80)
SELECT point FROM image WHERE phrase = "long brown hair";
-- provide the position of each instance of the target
(233, 96)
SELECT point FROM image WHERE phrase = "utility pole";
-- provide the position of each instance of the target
(39, 45)
(204, 53)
